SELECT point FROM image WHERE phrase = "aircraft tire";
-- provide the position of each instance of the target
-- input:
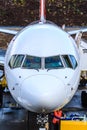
(84, 99)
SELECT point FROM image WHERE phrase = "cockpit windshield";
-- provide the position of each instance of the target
(53, 62)
(34, 62)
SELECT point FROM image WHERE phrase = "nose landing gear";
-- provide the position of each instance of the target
(37, 121)
(42, 119)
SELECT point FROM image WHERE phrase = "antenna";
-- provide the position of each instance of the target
(42, 11)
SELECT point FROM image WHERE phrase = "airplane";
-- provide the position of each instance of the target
(43, 65)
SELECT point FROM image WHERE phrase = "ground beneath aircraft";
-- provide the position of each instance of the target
(13, 117)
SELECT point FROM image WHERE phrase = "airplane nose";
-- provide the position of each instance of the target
(42, 93)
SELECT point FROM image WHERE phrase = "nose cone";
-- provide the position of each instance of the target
(42, 93)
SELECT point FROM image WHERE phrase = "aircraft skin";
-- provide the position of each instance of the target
(42, 66)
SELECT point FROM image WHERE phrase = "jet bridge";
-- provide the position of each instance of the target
(83, 54)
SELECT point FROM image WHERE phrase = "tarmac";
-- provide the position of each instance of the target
(14, 117)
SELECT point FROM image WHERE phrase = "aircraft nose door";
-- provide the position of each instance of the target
(43, 92)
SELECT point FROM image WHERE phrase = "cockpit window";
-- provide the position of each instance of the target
(73, 61)
(16, 61)
(67, 61)
(32, 62)
(11, 62)
(70, 61)
(53, 62)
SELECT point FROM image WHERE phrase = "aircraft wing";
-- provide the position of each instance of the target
(14, 32)
(77, 31)
(8, 31)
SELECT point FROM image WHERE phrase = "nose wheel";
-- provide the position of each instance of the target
(37, 121)
(42, 119)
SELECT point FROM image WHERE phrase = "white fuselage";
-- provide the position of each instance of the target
(45, 85)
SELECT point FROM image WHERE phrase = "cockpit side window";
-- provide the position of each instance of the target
(53, 62)
(73, 61)
(67, 61)
(32, 62)
(70, 61)
(11, 62)
(16, 61)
